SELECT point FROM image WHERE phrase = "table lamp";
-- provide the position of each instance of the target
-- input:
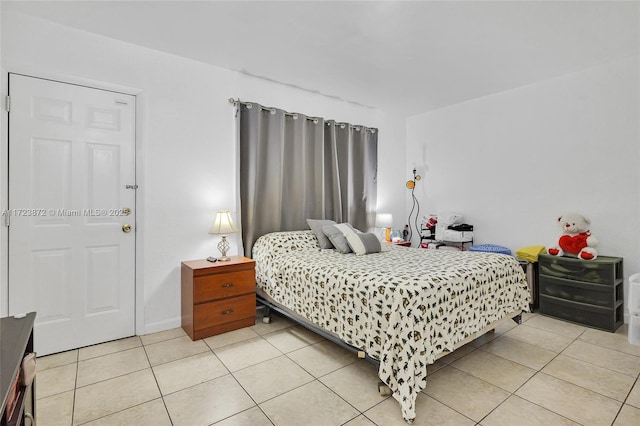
(385, 220)
(223, 225)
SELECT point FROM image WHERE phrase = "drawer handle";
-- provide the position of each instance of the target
(227, 285)
(227, 312)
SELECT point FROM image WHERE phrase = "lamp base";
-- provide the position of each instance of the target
(223, 246)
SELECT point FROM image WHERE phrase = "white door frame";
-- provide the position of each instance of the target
(139, 173)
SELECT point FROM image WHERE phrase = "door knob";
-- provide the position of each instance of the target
(126, 228)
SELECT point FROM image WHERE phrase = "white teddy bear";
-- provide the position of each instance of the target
(576, 238)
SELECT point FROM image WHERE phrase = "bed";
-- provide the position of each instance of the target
(404, 307)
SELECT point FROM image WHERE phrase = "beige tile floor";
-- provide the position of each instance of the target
(543, 372)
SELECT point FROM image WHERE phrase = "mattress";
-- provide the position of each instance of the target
(403, 307)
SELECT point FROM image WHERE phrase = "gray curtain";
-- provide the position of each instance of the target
(294, 168)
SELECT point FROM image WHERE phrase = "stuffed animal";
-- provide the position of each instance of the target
(576, 239)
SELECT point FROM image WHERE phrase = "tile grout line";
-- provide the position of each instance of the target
(541, 372)
(315, 379)
(122, 375)
(362, 413)
(252, 399)
(635, 383)
(112, 377)
(519, 387)
(144, 348)
(602, 347)
(341, 398)
(261, 336)
(491, 384)
(558, 378)
(78, 361)
(75, 387)
(229, 372)
(119, 411)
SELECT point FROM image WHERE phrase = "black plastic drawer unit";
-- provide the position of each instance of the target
(587, 292)
(603, 270)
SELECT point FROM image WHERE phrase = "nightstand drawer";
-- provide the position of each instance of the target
(224, 311)
(582, 313)
(603, 270)
(218, 286)
(578, 291)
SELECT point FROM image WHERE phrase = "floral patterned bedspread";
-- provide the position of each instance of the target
(403, 306)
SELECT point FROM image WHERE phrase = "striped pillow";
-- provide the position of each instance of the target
(364, 243)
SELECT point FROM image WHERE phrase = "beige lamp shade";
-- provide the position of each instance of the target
(223, 224)
(384, 220)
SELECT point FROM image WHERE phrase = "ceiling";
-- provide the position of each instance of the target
(397, 56)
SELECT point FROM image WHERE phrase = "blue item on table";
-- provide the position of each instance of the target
(491, 248)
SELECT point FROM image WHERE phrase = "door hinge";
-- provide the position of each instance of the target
(7, 103)
(7, 220)
(131, 186)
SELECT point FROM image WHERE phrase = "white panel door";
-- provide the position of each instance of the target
(71, 156)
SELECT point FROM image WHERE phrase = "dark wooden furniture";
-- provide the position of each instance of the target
(217, 297)
(588, 292)
(16, 340)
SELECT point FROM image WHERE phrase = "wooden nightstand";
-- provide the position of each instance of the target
(217, 297)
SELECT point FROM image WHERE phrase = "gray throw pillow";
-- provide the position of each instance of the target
(336, 234)
(316, 226)
(364, 243)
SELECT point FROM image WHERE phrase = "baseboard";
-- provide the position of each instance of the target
(155, 327)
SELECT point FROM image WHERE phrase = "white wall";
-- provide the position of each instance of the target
(514, 161)
(391, 171)
(186, 134)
